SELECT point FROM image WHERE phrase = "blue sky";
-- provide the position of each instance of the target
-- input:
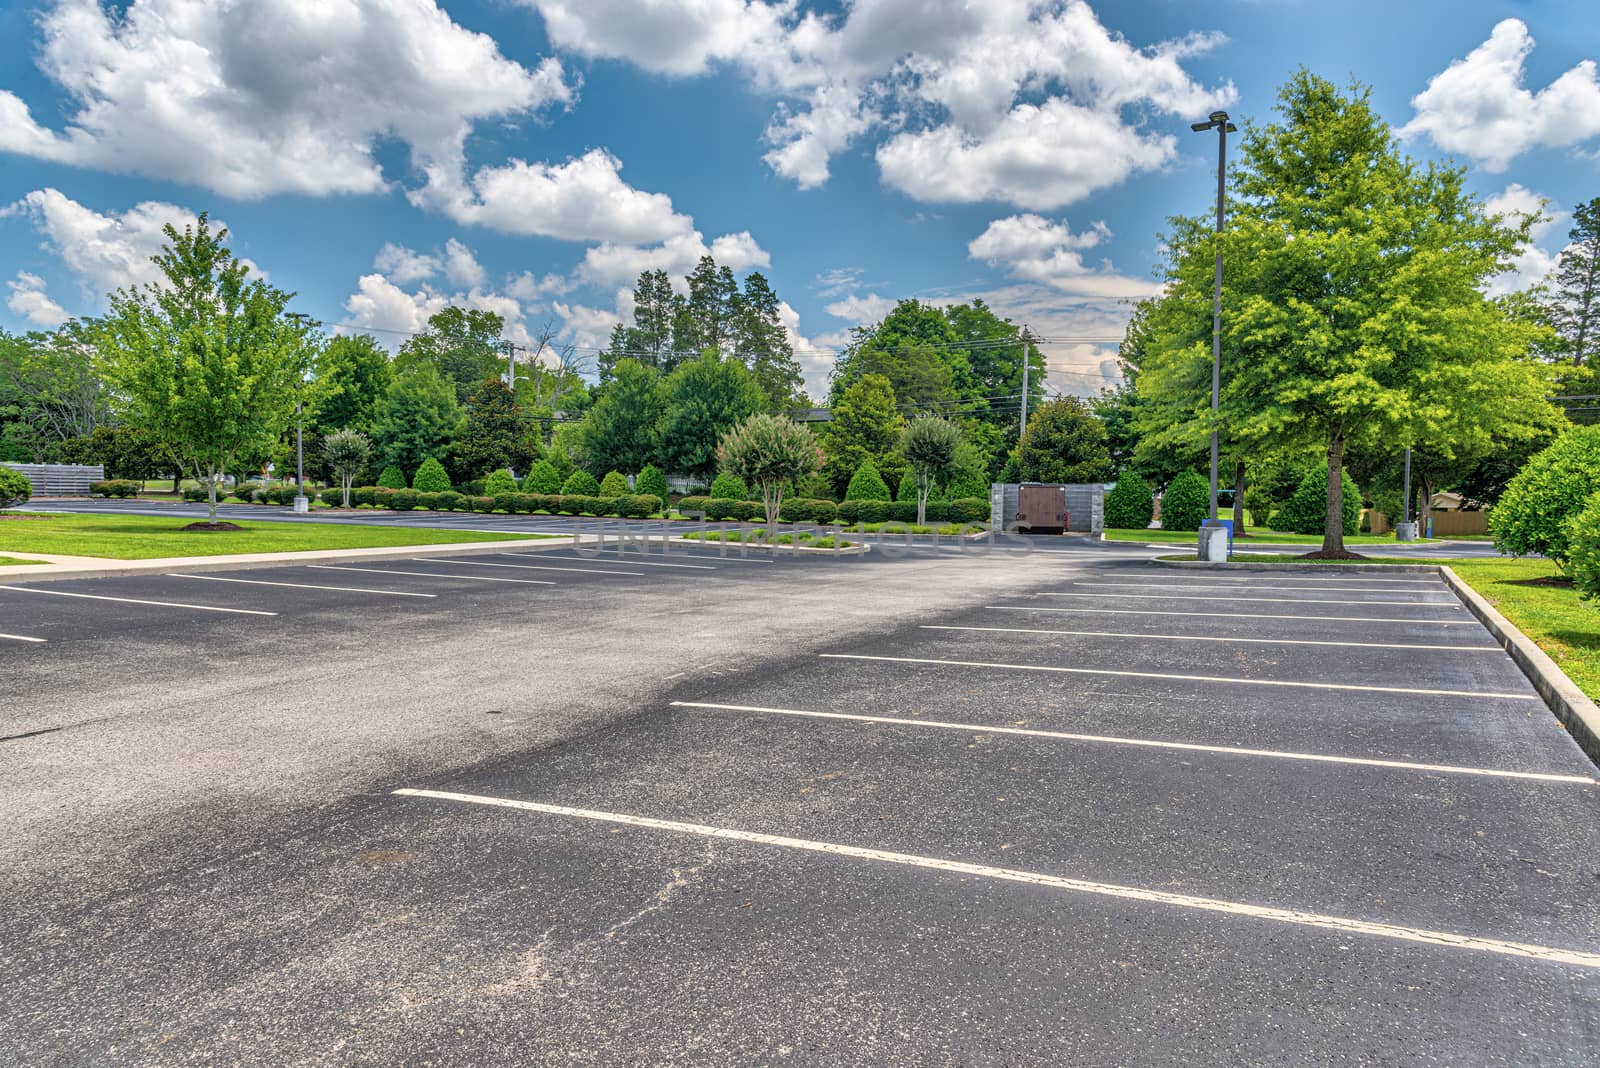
(384, 157)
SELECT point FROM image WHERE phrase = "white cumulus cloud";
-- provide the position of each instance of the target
(1533, 264)
(611, 264)
(29, 300)
(1034, 249)
(1479, 106)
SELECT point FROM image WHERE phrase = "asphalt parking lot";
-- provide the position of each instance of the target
(1002, 808)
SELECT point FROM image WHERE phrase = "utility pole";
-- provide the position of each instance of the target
(1219, 122)
(301, 503)
(510, 349)
(1025, 361)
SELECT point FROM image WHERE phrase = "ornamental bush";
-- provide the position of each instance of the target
(499, 483)
(427, 500)
(363, 495)
(638, 505)
(580, 484)
(969, 510)
(1307, 511)
(542, 478)
(1533, 514)
(867, 485)
(691, 505)
(849, 512)
(1583, 548)
(16, 488)
(483, 504)
(448, 501)
(615, 484)
(822, 510)
(1131, 504)
(729, 487)
(193, 494)
(651, 482)
(392, 478)
(431, 477)
(333, 497)
(1186, 502)
(719, 509)
(872, 510)
(113, 487)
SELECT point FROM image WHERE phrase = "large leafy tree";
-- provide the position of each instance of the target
(352, 375)
(1353, 307)
(205, 359)
(866, 425)
(495, 434)
(462, 344)
(1064, 443)
(418, 418)
(622, 430)
(704, 398)
(995, 351)
(915, 348)
(55, 379)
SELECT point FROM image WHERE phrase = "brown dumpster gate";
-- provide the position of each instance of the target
(1044, 508)
(1041, 509)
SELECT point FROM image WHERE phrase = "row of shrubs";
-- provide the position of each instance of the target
(116, 487)
(802, 510)
(629, 506)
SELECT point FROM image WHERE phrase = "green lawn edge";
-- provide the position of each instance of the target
(15, 561)
(127, 537)
(1264, 537)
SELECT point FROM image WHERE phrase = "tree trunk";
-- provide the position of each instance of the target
(923, 486)
(1238, 498)
(211, 493)
(1333, 528)
(344, 482)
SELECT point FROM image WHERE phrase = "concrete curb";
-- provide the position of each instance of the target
(860, 549)
(1571, 706)
(1320, 569)
(243, 561)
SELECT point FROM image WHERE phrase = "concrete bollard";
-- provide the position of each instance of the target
(1213, 544)
(1405, 532)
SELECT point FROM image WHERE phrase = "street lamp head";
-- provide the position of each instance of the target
(1218, 118)
(1199, 127)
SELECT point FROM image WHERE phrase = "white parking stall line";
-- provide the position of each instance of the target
(428, 574)
(1150, 743)
(530, 567)
(135, 600)
(1184, 678)
(1229, 616)
(302, 585)
(618, 557)
(1343, 925)
(1265, 600)
(22, 638)
(1221, 638)
(1439, 586)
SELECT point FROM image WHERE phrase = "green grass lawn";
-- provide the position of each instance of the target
(13, 561)
(1273, 537)
(1551, 613)
(134, 537)
(758, 536)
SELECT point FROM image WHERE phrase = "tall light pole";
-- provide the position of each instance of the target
(1218, 122)
(301, 503)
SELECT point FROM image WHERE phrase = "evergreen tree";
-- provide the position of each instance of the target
(542, 477)
(494, 435)
(865, 426)
(431, 477)
(622, 430)
(704, 399)
(761, 342)
(651, 481)
(867, 484)
(1575, 289)
(418, 418)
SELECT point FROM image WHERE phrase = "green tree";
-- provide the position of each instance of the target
(615, 484)
(352, 374)
(418, 418)
(499, 483)
(580, 484)
(969, 474)
(1534, 512)
(729, 487)
(1583, 546)
(205, 359)
(769, 452)
(346, 452)
(1064, 443)
(915, 348)
(706, 319)
(1187, 501)
(649, 340)
(462, 344)
(431, 477)
(929, 446)
(622, 430)
(543, 478)
(762, 344)
(494, 434)
(1131, 504)
(1353, 306)
(705, 398)
(651, 481)
(1303, 512)
(391, 477)
(866, 425)
(867, 484)
(1575, 288)
(994, 352)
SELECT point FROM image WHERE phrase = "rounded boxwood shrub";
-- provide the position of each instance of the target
(427, 500)
(333, 497)
(15, 488)
(872, 510)
(392, 478)
(651, 482)
(542, 478)
(580, 484)
(112, 487)
(504, 502)
(499, 483)
(729, 487)
(937, 511)
(1583, 548)
(822, 510)
(448, 501)
(719, 509)
(600, 506)
(403, 500)
(849, 512)
(794, 510)
(638, 505)
(431, 477)
(867, 485)
(615, 484)
(360, 495)
(691, 505)
(969, 510)
(902, 511)
(1186, 502)
(1131, 504)
(483, 504)
(1532, 514)
(1307, 511)
(193, 494)
(744, 511)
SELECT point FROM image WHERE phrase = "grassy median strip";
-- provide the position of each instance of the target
(758, 536)
(130, 537)
(13, 561)
(1532, 593)
(1265, 537)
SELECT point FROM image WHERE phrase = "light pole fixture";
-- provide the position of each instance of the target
(1218, 122)
(301, 502)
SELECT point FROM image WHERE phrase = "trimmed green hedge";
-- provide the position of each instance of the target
(113, 487)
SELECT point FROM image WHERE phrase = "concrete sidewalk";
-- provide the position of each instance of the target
(79, 567)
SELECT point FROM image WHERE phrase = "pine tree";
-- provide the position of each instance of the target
(1576, 287)
(649, 340)
(761, 342)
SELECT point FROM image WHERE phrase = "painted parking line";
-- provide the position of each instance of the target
(302, 585)
(1343, 925)
(609, 556)
(1219, 638)
(427, 574)
(1183, 678)
(1439, 586)
(22, 638)
(531, 567)
(1150, 743)
(135, 600)
(1455, 605)
(1230, 616)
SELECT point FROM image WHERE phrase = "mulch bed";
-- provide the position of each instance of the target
(220, 525)
(1343, 554)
